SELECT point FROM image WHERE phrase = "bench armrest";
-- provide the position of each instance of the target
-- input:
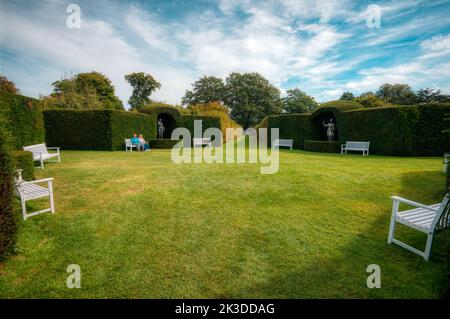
(38, 181)
(412, 203)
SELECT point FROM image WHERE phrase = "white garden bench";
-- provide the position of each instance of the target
(129, 146)
(427, 219)
(41, 154)
(355, 146)
(284, 143)
(27, 191)
(201, 141)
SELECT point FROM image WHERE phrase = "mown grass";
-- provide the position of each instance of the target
(140, 226)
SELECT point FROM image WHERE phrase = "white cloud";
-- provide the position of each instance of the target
(436, 46)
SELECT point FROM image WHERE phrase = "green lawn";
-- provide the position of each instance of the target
(140, 226)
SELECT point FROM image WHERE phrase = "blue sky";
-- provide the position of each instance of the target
(321, 47)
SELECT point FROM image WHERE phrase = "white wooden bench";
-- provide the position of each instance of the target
(41, 154)
(27, 191)
(427, 219)
(284, 143)
(201, 141)
(129, 146)
(355, 146)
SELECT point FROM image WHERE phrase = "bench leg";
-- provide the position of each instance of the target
(50, 190)
(392, 225)
(59, 157)
(24, 209)
(427, 253)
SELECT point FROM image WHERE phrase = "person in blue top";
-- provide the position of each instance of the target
(135, 141)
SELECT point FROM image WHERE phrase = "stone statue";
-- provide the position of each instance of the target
(330, 129)
(161, 129)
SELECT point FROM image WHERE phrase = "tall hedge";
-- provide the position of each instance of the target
(8, 226)
(397, 130)
(23, 119)
(298, 127)
(24, 160)
(95, 129)
(187, 121)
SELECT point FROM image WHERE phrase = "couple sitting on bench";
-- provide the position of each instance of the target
(140, 143)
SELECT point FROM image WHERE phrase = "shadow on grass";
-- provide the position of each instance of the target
(403, 274)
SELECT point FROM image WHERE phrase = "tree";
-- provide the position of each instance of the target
(251, 97)
(298, 101)
(101, 86)
(347, 96)
(7, 86)
(205, 90)
(429, 95)
(397, 94)
(143, 86)
(83, 91)
(369, 99)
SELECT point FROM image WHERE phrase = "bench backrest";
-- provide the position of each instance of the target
(442, 218)
(283, 142)
(36, 149)
(357, 145)
(128, 142)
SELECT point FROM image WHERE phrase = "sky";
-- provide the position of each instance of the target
(321, 47)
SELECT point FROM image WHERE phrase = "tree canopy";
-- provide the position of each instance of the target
(205, 90)
(251, 97)
(7, 86)
(297, 101)
(143, 86)
(90, 90)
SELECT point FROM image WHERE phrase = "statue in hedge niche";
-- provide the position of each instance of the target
(161, 129)
(330, 129)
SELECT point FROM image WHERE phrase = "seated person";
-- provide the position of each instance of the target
(135, 141)
(143, 144)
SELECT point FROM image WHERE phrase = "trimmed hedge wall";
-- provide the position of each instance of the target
(95, 129)
(323, 146)
(24, 160)
(397, 130)
(8, 223)
(187, 121)
(23, 119)
(294, 126)
(162, 143)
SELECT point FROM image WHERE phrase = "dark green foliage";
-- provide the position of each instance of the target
(95, 129)
(187, 121)
(251, 97)
(162, 143)
(293, 126)
(143, 86)
(347, 96)
(297, 101)
(396, 130)
(22, 118)
(205, 90)
(397, 94)
(323, 146)
(84, 91)
(24, 160)
(342, 105)
(8, 225)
